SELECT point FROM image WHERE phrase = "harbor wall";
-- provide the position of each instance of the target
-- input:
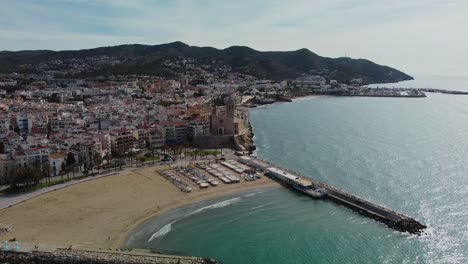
(392, 219)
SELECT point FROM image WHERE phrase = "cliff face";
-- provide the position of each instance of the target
(177, 58)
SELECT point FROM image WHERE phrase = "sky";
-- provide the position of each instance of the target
(415, 36)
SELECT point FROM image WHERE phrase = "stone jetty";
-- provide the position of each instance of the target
(73, 256)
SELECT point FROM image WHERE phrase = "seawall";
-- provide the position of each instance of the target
(392, 219)
(72, 256)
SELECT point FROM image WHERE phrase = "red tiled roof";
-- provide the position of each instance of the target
(173, 123)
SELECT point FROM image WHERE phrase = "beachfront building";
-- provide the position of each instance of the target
(90, 152)
(143, 138)
(198, 128)
(32, 156)
(7, 168)
(56, 160)
(122, 141)
(175, 132)
(156, 138)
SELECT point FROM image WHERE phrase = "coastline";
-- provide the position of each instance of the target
(231, 194)
(103, 213)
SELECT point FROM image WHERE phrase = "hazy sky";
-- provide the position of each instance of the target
(416, 36)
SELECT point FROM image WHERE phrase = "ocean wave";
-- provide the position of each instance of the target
(216, 205)
(168, 228)
(253, 194)
(162, 232)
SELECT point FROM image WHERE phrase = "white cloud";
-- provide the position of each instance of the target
(414, 35)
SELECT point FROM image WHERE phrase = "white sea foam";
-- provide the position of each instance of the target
(168, 228)
(217, 205)
(259, 207)
(253, 194)
(162, 232)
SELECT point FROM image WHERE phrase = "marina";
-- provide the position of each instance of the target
(319, 190)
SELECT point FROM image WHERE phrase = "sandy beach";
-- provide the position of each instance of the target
(102, 213)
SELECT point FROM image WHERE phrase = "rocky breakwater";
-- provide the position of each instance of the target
(69, 256)
(409, 225)
(244, 141)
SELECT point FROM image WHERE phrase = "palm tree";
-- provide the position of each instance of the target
(97, 158)
(63, 168)
(46, 172)
(107, 158)
(32, 173)
(36, 175)
(71, 162)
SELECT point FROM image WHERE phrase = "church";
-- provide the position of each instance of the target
(228, 120)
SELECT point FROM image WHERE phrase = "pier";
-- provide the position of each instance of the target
(319, 190)
(423, 90)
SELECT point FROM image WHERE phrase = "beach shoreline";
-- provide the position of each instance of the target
(195, 204)
(103, 213)
(234, 193)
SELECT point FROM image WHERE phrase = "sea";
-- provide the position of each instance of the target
(409, 154)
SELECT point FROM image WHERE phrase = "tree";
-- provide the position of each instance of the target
(190, 139)
(63, 168)
(97, 158)
(18, 177)
(46, 169)
(25, 177)
(35, 175)
(107, 158)
(71, 162)
(70, 159)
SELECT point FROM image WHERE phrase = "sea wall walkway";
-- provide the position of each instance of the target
(392, 219)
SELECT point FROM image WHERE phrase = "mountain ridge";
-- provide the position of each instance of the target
(149, 59)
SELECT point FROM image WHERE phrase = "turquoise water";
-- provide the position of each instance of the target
(408, 154)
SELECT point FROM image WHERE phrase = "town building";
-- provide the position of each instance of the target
(198, 128)
(24, 123)
(57, 162)
(121, 141)
(90, 153)
(175, 132)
